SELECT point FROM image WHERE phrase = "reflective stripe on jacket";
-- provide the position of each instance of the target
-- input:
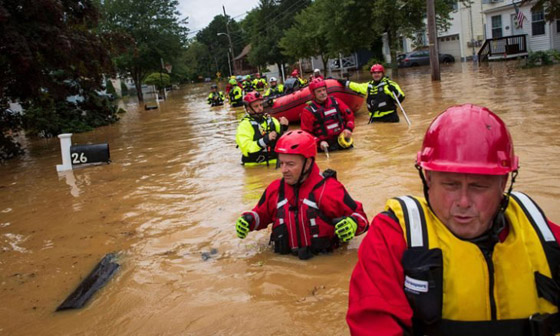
(327, 121)
(379, 98)
(307, 222)
(452, 280)
(251, 140)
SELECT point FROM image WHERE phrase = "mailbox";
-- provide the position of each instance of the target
(89, 154)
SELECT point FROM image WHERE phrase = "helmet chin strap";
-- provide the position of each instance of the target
(498, 222)
(304, 172)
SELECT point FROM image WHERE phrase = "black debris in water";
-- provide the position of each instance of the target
(102, 272)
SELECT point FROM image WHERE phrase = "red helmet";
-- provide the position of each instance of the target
(377, 68)
(297, 142)
(295, 73)
(251, 97)
(316, 83)
(468, 139)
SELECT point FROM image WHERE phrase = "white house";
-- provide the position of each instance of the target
(540, 34)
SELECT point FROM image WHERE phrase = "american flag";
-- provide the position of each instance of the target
(519, 17)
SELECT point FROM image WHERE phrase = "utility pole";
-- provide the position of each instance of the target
(229, 39)
(432, 36)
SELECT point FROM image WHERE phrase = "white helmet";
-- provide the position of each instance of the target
(317, 71)
(273, 79)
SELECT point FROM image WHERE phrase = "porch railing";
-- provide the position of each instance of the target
(503, 46)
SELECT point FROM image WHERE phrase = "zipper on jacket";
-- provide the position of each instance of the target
(490, 264)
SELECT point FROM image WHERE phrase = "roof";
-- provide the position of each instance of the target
(243, 53)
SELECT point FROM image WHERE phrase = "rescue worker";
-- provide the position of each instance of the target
(259, 83)
(247, 84)
(215, 98)
(302, 82)
(316, 74)
(257, 132)
(235, 94)
(471, 257)
(310, 212)
(229, 86)
(380, 95)
(274, 89)
(329, 119)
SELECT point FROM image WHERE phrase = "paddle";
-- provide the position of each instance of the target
(403, 112)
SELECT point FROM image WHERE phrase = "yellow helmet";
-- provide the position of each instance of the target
(344, 142)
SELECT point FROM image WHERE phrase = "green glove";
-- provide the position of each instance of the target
(346, 229)
(242, 227)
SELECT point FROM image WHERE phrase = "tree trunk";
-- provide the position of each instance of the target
(325, 60)
(138, 84)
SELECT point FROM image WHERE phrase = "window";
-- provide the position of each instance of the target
(537, 22)
(558, 26)
(496, 26)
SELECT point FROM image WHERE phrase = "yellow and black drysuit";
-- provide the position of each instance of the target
(216, 98)
(259, 84)
(379, 98)
(275, 91)
(502, 283)
(236, 96)
(253, 139)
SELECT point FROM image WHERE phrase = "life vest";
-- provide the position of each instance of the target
(236, 96)
(302, 229)
(216, 98)
(247, 86)
(267, 154)
(328, 124)
(455, 289)
(274, 91)
(379, 100)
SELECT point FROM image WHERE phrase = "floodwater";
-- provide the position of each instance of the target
(168, 202)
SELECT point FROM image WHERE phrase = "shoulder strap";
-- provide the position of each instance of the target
(535, 215)
(415, 221)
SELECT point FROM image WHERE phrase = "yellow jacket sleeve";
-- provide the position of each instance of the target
(358, 87)
(244, 138)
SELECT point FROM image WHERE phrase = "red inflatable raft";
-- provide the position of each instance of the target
(290, 105)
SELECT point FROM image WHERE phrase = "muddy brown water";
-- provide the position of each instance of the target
(168, 201)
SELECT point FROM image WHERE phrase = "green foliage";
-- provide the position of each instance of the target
(154, 32)
(160, 80)
(47, 46)
(48, 117)
(110, 88)
(124, 89)
(372, 61)
(10, 125)
(208, 53)
(551, 8)
(539, 58)
(266, 26)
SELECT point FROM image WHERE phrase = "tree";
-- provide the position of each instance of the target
(551, 8)
(405, 18)
(266, 25)
(160, 80)
(307, 37)
(50, 50)
(155, 30)
(217, 46)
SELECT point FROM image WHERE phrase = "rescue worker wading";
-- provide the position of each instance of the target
(215, 98)
(235, 94)
(274, 90)
(329, 119)
(302, 82)
(310, 212)
(470, 258)
(247, 84)
(379, 92)
(259, 83)
(257, 132)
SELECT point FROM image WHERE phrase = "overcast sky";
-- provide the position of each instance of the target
(201, 12)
